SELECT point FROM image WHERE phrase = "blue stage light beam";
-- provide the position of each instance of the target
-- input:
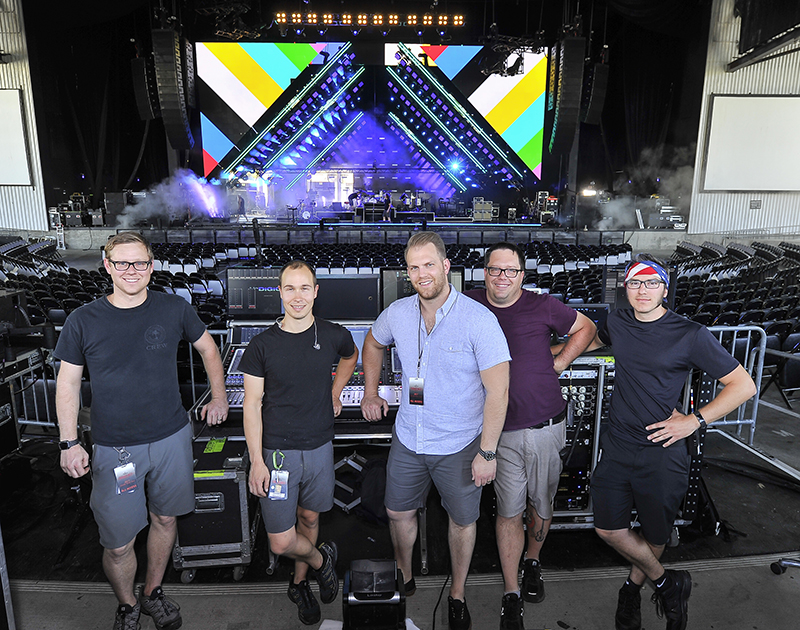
(420, 145)
(313, 120)
(327, 149)
(421, 104)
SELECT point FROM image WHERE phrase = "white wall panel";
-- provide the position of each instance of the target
(21, 207)
(746, 212)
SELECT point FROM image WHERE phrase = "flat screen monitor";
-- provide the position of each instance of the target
(253, 293)
(395, 283)
(598, 313)
(347, 296)
(359, 335)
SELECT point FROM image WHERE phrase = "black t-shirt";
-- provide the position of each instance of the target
(652, 362)
(297, 409)
(131, 355)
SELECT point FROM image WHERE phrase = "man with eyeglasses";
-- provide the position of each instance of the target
(528, 453)
(644, 459)
(142, 457)
(455, 390)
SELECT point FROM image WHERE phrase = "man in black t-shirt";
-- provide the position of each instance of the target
(289, 409)
(644, 459)
(142, 459)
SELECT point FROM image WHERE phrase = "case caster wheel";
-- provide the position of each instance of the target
(674, 538)
(238, 573)
(187, 576)
(777, 568)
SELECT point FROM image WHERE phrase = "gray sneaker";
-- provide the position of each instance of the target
(127, 617)
(165, 613)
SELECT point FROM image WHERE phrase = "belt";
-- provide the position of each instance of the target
(552, 421)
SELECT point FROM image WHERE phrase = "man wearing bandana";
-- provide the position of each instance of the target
(644, 459)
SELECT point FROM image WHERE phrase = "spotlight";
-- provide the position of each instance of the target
(297, 18)
(458, 20)
(427, 20)
(347, 19)
(411, 20)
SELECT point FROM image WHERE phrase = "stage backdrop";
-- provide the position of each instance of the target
(283, 110)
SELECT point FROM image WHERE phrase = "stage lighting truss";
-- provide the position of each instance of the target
(379, 21)
(321, 107)
(424, 100)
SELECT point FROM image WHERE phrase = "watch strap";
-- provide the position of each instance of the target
(65, 445)
(487, 455)
(701, 420)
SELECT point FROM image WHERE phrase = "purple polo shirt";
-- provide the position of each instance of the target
(534, 394)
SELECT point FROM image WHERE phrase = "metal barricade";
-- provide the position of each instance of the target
(747, 344)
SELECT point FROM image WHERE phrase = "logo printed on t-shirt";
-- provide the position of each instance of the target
(155, 337)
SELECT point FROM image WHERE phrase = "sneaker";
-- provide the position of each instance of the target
(629, 609)
(532, 583)
(326, 574)
(165, 613)
(307, 605)
(127, 617)
(511, 613)
(410, 587)
(457, 614)
(673, 602)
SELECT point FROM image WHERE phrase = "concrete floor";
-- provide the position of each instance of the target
(737, 593)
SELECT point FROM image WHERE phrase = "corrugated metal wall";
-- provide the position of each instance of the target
(730, 212)
(21, 207)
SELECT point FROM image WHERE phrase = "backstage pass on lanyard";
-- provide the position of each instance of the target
(416, 386)
(125, 472)
(278, 479)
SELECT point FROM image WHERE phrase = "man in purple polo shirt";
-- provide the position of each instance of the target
(528, 460)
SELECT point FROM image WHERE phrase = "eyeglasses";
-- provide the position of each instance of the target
(650, 284)
(124, 265)
(509, 273)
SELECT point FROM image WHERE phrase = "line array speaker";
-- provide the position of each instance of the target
(552, 81)
(144, 88)
(594, 93)
(570, 90)
(171, 95)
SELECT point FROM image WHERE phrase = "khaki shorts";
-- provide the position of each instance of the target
(529, 469)
(163, 468)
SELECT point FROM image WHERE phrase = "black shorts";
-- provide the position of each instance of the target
(654, 479)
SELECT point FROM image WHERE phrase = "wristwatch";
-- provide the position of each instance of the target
(487, 455)
(701, 420)
(65, 445)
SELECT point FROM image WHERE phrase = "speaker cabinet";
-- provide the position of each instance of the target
(594, 94)
(167, 56)
(144, 88)
(570, 90)
(373, 597)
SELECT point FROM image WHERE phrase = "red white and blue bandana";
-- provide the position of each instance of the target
(647, 268)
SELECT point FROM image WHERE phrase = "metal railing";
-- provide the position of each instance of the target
(748, 345)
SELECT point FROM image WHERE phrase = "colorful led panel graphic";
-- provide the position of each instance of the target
(241, 84)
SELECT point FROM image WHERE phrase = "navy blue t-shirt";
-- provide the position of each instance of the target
(653, 360)
(131, 355)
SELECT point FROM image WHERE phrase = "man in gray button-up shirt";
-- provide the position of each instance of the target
(455, 391)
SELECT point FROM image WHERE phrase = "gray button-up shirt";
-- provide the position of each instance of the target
(465, 340)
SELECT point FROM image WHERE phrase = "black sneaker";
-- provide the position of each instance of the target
(673, 603)
(166, 614)
(326, 574)
(410, 587)
(307, 604)
(457, 614)
(532, 583)
(511, 613)
(629, 609)
(127, 617)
